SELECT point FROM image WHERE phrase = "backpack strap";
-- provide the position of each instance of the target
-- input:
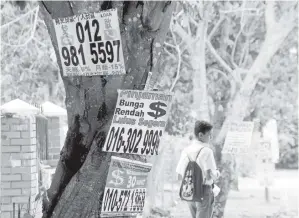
(195, 161)
(198, 153)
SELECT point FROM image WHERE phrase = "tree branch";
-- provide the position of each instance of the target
(213, 31)
(232, 83)
(237, 38)
(241, 9)
(244, 55)
(182, 33)
(178, 69)
(170, 54)
(218, 58)
(211, 69)
(178, 14)
(19, 18)
(32, 31)
(170, 45)
(270, 15)
(179, 62)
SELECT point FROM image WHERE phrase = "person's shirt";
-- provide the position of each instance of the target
(205, 160)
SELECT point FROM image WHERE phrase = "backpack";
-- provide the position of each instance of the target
(192, 184)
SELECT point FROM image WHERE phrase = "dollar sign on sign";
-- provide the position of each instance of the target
(156, 106)
(118, 178)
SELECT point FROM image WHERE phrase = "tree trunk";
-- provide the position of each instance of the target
(80, 177)
(240, 106)
(200, 98)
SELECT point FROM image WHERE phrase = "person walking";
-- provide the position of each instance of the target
(200, 152)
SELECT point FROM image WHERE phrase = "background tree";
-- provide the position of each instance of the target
(242, 40)
(28, 64)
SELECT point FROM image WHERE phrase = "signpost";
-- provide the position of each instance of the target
(139, 122)
(238, 138)
(125, 190)
(90, 44)
(271, 135)
(265, 166)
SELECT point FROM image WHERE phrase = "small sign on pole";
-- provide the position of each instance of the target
(265, 166)
(270, 134)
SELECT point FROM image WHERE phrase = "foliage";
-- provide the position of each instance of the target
(276, 97)
(237, 39)
(35, 77)
(28, 64)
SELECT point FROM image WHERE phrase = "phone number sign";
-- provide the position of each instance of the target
(125, 190)
(139, 121)
(90, 44)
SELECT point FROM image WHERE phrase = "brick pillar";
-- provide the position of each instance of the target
(18, 164)
(54, 135)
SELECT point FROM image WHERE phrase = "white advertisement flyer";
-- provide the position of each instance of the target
(238, 138)
(139, 121)
(125, 190)
(90, 44)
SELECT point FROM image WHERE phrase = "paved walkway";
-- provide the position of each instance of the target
(249, 201)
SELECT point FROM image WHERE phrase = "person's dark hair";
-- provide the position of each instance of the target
(203, 127)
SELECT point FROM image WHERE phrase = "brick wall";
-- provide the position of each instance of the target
(18, 163)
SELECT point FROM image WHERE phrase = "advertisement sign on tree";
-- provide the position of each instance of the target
(125, 190)
(238, 138)
(139, 121)
(90, 44)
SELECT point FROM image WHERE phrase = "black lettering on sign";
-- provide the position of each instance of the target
(116, 137)
(139, 135)
(151, 142)
(107, 199)
(101, 52)
(114, 202)
(127, 198)
(120, 141)
(96, 34)
(110, 138)
(80, 31)
(121, 201)
(70, 55)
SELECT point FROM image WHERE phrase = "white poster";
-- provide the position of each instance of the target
(125, 189)
(139, 121)
(265, 166)
(238, 138)
(270, 134)
(90, 44)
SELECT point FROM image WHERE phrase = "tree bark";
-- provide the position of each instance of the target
(80, 177)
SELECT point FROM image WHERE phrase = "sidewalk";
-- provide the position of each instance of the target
(250, 201)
